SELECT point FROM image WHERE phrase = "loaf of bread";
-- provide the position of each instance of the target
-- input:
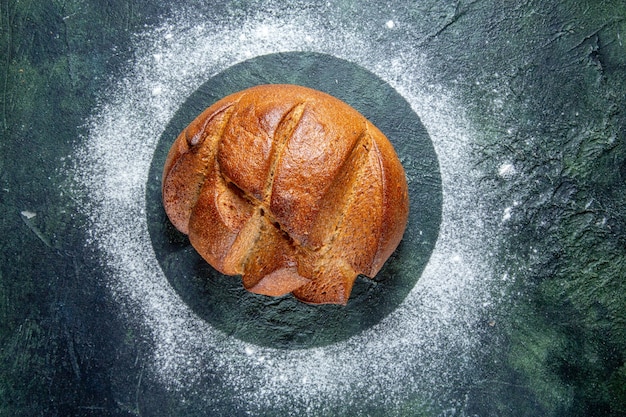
(290, 188)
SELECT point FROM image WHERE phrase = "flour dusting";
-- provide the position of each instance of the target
(419, 351)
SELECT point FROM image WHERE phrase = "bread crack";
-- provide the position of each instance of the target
(187, 167)
(283, 133)
(340, 194)
(199, 137)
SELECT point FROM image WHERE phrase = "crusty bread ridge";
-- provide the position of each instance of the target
(289, 187)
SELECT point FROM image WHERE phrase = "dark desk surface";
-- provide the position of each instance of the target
(506, 298)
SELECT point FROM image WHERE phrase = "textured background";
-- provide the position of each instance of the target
(542, 83)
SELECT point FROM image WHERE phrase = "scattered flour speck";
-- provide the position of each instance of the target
(506, 170)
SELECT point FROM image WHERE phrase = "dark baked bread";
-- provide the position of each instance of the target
(289, 187)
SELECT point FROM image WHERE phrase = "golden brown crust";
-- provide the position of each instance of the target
(189, 160)
(290, 188)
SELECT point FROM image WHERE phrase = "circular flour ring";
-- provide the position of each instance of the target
(417, 352)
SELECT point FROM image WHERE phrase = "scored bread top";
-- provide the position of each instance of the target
(289, 187)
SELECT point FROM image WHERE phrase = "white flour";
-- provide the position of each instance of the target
(418, 352)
